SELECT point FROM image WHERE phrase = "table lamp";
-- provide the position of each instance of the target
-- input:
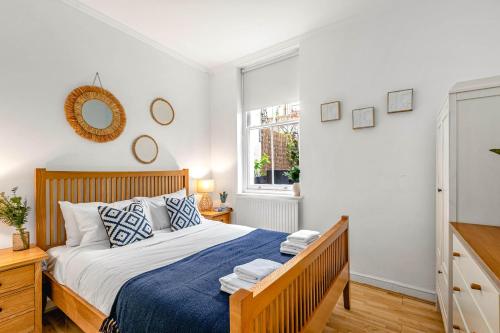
(205, 186)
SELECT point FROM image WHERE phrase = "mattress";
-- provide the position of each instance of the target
(96, 272)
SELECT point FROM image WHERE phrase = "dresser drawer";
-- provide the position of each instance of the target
(17, 278)
(14, 303)
(458, 319)
(488, 298)
(21, 324)
(472, 315)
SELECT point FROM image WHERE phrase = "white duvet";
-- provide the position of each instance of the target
(96, 272)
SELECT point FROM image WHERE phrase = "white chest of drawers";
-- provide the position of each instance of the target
(474, 280)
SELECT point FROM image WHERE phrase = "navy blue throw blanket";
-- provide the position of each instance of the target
(185, 296)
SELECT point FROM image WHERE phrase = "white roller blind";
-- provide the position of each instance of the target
(271, 84)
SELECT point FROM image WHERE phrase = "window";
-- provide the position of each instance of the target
(271, 124)
(272, 140)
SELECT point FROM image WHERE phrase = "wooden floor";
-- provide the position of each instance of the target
(378, 310)
(372, 310)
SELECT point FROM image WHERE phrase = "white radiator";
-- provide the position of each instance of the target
(273, 213)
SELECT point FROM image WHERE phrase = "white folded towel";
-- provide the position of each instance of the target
(292, 248)
(231, 283)
(256, 270)
(228, 289)
(298, 246)
(303, 236)
(288, 250)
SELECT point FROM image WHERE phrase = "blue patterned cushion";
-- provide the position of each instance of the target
(125, 226)
(182, 212)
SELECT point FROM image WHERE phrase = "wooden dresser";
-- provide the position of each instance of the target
(224, 216)
(475, 281)
(21, 290)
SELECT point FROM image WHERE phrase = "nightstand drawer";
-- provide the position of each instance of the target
(20, 324)
(21, 290)
(14, 303)
(17, 278)
(223, 218)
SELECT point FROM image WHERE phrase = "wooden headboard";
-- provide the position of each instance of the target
(90, 186)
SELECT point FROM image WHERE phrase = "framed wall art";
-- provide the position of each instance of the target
(363, 118)
(330, 111)
(400, 101)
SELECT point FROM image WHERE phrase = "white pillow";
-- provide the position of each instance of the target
(155, 208)
(89, 222)
(73, 235)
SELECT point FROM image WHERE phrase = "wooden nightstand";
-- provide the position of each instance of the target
(224, 216)
(21, 290)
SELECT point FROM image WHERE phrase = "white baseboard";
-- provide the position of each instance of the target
(395, 286)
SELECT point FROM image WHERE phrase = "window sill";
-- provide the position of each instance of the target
(269, 195)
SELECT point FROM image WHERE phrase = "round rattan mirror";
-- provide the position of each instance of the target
(95, 114)
(162, 111)
(145, 149)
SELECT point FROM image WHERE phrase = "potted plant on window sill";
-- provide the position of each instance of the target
(259, 167)
(293, 175)
(14, 212)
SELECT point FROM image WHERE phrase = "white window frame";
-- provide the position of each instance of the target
(247, 187)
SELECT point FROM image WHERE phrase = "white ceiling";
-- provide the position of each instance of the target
(214, 32)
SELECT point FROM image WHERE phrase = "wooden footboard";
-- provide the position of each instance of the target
(300, 296)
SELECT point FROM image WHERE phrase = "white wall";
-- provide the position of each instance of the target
(47, 48)
(382, 177)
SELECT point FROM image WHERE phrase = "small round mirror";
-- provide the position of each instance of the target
(162, 112)
(97, 114)
(145, 149)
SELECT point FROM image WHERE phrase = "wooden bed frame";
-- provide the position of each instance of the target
(298, 297)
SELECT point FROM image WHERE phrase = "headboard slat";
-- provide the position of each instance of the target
(87, 186)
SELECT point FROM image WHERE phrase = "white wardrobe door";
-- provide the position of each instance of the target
(442, 215)
(442, 204)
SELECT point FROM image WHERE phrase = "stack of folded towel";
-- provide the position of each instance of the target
(247, 275)
(298, 241)
(231, 283)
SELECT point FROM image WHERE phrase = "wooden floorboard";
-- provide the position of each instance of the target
(377, 310)
(372, 310)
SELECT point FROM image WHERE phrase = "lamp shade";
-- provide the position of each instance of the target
(205, 185)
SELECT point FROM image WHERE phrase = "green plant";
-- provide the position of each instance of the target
(14, 212)
(292, 148)
(259, 165)
(293, 173)
(223, 197)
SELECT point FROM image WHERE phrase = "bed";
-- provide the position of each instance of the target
(298, 297)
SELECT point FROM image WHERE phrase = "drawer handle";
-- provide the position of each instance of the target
(475, 286)
(456, 254)
(457, 289)
(439, 272)
(456, 327)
